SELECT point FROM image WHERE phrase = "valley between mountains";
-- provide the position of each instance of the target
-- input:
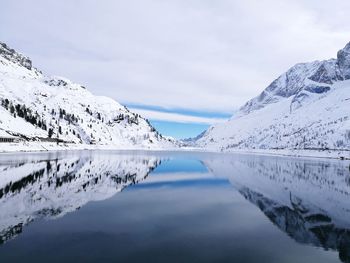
(305, 111)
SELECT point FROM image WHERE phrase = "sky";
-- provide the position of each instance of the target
(183, 64)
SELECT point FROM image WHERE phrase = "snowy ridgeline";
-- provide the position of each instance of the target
(53, 186)
(35, 107)
(307, 199)
(306, 108)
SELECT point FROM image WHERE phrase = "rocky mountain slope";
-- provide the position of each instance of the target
(307, 107)
(36, 107)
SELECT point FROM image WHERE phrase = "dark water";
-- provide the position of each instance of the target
(172, 207)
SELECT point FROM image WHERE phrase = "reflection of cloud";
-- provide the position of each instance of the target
(181, 176)
(54, 187)
(307, 199)
(208, 222)
(182, 180)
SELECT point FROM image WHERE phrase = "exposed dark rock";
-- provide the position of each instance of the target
(11, 55)
(297, 78)
(343, 62)
(325, 75)
(317, 89)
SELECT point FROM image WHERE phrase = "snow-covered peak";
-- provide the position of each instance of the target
(14, 56)
(37, 107)
(343, 58)
(286, 85)
(312, 77)
(306, 107)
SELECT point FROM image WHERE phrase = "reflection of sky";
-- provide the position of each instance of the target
(180, 173)
(179, 213)
(181, 165)
(183, 183)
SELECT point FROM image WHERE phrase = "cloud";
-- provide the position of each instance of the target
(175, 117)
(194, 54)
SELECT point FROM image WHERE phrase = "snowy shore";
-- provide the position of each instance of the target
(330, 154)
(46, 146)
(42, 147)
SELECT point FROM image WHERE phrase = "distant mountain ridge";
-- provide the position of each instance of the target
(15, 57)
(307, 107)
(304, 78)
(36, 107)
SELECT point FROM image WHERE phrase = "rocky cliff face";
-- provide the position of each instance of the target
(302, 79)
(343, 62)
(15, 57)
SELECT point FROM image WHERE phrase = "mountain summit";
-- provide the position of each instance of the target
(307, 107)
(48, 109)
(344, 61)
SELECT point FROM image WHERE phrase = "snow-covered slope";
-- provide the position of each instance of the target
(52, 186)
(43, 108)
(308, 107)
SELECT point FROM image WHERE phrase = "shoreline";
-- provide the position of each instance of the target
(34, 147)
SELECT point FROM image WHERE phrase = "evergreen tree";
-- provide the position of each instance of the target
(50, 133)
(12, 109)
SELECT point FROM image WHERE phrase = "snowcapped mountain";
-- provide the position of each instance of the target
(36, 107)
(307, 107)
(50, 186)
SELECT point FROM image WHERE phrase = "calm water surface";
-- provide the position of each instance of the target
(172, 207)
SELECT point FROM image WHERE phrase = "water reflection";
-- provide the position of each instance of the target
(53, 185)
(307, 199)
(191, 206)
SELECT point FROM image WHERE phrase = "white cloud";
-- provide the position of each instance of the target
(195, 54)
(175, 117)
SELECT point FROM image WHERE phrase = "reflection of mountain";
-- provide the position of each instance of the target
(309, 200)
(305, 224)
(53, 187)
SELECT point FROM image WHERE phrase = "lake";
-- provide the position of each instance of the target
(132, 206)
